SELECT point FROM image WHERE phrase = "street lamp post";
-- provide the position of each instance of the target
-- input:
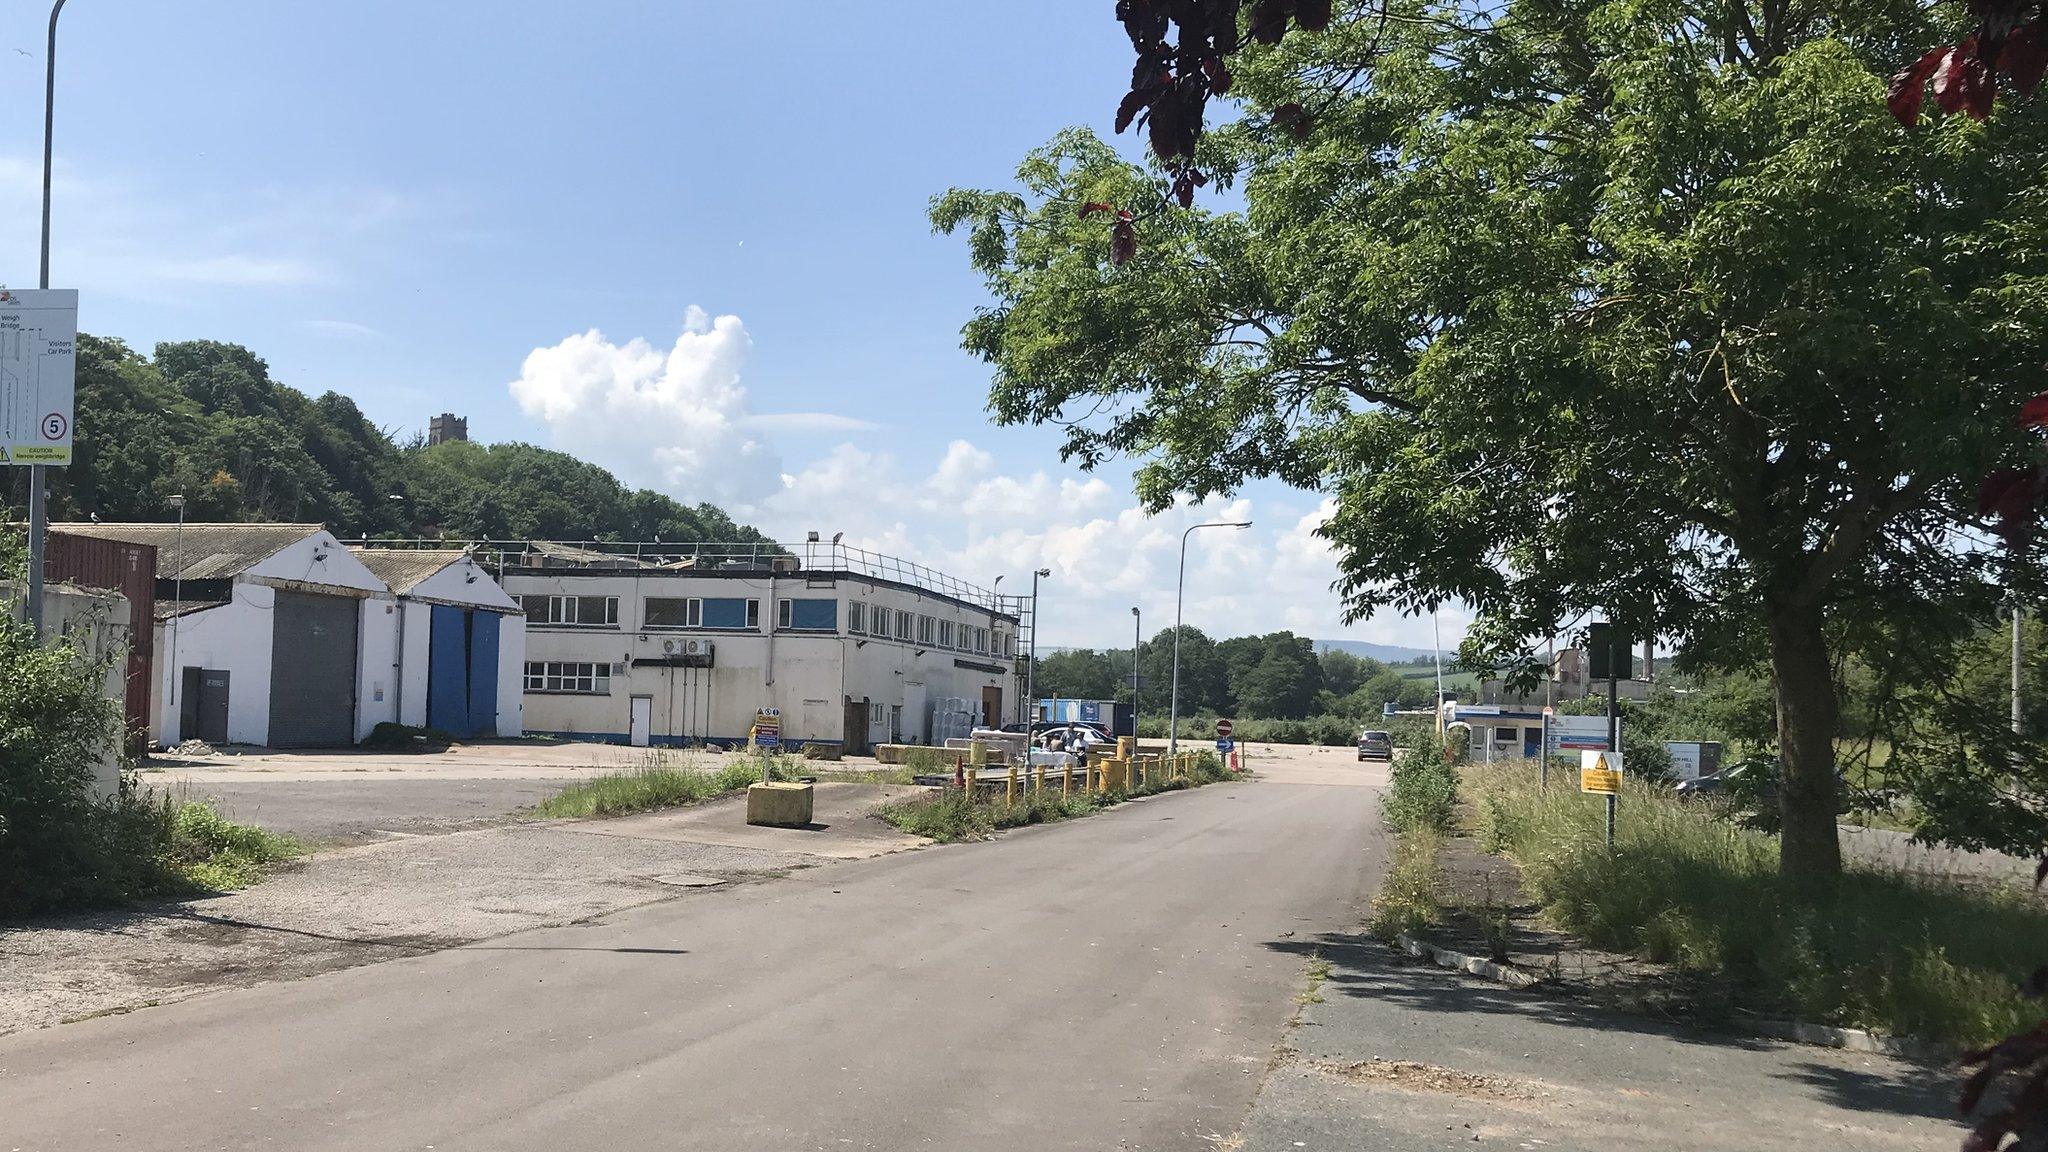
(177, 606)
(38, 499)
(1137, 634)
(1179, 588)
(1031, 661)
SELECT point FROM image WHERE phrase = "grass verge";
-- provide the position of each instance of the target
(209, 852)
(1901, 953)
(953, 816)
(662, 781)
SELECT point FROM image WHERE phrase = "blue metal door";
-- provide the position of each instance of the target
(483, 674)
(448, 671)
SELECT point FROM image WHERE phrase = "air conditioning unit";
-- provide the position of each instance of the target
(784, 564)
(669, 647)
(697, 647)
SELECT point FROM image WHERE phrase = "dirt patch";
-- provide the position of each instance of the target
(1420, 1077)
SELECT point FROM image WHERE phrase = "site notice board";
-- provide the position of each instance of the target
(38, 359)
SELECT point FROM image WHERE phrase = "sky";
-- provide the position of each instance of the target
(684, 240)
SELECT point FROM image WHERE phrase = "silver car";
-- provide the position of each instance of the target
(1375, 745)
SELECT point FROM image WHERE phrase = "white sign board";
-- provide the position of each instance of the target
(38, 358)
(1570, 734)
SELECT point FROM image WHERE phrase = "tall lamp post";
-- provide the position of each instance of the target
(1031, 661)
(177, 607)
(1180, 587)
(1137, 634)
(38, 500)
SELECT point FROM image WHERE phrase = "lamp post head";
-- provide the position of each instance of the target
(1134, 610)
(175, 500)
(1043, 572)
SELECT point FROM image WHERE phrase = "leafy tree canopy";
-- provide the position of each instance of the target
(206, 419)
(1641, 309)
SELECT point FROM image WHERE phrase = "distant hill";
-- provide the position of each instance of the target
(1384, 653)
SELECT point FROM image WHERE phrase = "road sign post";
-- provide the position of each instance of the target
(1224, 728)
(38, 357)
(1600, 774)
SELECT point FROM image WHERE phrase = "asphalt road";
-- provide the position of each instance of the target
(1116, 982)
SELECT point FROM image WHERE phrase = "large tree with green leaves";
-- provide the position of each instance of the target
(1639, 308)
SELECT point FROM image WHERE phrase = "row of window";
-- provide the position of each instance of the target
(734, 613)
(568, 676)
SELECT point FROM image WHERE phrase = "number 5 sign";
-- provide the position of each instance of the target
(38, 361)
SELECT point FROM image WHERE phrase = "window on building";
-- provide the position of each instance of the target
(572, 611)
(569, 676)
(875, 713)
(878, 621)
(753, 613)
(904, 622)
(925, 629)
(1002, 645)
(807, 615)
(674, 612)
(981, 640)
(945, 633)
(856, 616)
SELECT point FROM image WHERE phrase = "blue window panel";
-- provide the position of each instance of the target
(448, 670)
(822, 615)
(725, 612)
(483, 674)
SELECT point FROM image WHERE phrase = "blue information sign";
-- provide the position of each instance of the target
(1225, 745)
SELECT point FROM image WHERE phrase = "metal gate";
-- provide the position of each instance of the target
(313, 671)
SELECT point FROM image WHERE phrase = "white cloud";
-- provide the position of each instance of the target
(347, 328)
(964, 515)
(674, 419)
(808, 422)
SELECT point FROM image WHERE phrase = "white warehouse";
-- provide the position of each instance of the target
(680, 644)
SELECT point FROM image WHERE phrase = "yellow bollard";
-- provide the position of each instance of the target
(1010, 793)
(1126, 747)
(1037, 778)
(1067, 779)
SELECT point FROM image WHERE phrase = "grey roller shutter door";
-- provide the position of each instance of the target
(313, 671)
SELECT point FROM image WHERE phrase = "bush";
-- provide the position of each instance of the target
(1424, 795)
(1899, 952)
(951, 815)
(389, 737)
(1409, 899)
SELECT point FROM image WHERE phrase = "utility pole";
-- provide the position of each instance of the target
(2019, 616)
(1031, 663)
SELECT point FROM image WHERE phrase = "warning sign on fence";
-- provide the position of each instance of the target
(1600, 772)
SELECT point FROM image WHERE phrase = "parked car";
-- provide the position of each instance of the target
(1375, 745)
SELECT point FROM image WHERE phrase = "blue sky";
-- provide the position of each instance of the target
(404, 202)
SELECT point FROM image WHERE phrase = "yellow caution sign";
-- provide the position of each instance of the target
(1600, 772)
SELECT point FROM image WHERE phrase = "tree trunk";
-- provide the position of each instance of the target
(1810, 851)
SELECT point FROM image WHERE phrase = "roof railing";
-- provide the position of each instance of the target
(811, 556)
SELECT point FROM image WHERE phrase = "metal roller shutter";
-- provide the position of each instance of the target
(313, 671)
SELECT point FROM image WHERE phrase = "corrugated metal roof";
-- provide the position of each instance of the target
(205, 551)
(402, 569)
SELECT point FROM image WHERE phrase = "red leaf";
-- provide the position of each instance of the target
(2025, 56)
(2008, 492)
(1136, 99)
(1123, 241)
(1962, 83)
(1313, 15)
(2034, 413)
(1269, 20)
(1219, 74)
(1144, 20)
(1091, 208)
(1909, 87)
(1291, 117)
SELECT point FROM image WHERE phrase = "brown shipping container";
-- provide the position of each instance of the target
(129, 569)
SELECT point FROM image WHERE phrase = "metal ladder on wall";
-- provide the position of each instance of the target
(1020, 607)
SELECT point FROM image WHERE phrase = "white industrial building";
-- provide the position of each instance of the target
(279, 635)
(668, 644)
(460, 645)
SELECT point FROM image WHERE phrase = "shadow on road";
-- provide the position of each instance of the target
(1361, 966)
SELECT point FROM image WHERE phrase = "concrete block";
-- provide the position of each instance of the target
(779, 804)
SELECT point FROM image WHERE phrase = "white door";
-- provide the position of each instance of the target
(643, 721)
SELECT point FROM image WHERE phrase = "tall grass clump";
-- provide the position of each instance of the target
(1900, 952)
(662, 781)
(1410, 898)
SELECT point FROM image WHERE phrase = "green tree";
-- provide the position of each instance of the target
(1285, 681)
(1344, 673)
(1650, 311)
